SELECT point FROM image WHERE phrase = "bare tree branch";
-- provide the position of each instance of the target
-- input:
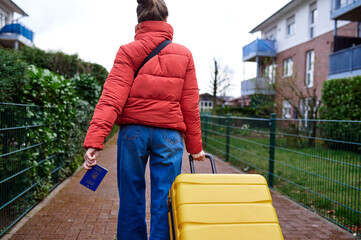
(220, 81)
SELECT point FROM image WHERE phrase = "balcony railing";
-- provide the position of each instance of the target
(17, 28)
(346, 10)
(259, 48)
(253, 86)
(345, 61)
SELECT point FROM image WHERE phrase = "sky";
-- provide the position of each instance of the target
(94, 29)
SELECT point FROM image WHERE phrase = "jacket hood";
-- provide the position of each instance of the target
(153, 28)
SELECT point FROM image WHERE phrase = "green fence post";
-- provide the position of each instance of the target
(206, 129)
(272, 149)
(228, 131)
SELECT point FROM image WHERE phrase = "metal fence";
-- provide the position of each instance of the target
(25, 159)
(316, 162)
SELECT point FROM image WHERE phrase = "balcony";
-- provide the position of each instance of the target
(259, 48)
(346, 10)
(11, 35)
(253, 86)
(345, 63)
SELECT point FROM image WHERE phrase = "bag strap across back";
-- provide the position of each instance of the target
(152, 54)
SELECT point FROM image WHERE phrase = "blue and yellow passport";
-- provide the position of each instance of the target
(93, 177)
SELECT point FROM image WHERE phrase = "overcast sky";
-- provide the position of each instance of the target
(96, 29)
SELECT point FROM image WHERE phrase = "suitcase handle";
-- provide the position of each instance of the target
(209, 156)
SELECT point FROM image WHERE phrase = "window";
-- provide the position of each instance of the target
(313, 18)
(341, 3)
(308, 109)
(2, 21)
(310, 59)
(290, 26)
(271, 34)
(286, 109)
(269, 72)
(205, 105)
(287, 67)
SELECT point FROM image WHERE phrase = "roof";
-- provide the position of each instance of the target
(276, 15)
(13, 7)
(207, 97)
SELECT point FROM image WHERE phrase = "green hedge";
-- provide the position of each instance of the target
(12, 76)
(63, 64)
(341, 100)
(69, 99)
(235, 111)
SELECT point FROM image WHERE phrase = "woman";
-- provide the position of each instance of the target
(154, 110)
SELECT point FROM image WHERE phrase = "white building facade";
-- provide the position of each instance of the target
(12, 33)
(299, 50)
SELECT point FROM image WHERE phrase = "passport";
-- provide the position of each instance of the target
(93, 177)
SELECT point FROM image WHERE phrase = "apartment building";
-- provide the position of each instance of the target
(12, 33)
(302, 45)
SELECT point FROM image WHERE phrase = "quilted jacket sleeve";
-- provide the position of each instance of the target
(115, 93)
(189, 104)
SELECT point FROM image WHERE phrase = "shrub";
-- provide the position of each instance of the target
(99, 72)
(12, 76)
(87, 88)
(341, 100)
(56, 125)
(45, 88)
(70, 104)
(236, 111)
(263, 105)
(63, 64)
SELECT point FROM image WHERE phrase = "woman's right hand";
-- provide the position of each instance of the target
(90, 158)
(199, 156)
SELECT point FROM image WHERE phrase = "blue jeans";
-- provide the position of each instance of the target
(165, 148)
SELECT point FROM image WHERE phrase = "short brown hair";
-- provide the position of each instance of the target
(151, 10)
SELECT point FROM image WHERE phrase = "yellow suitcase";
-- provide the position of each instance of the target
(221, 207)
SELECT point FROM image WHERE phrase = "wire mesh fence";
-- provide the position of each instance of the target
(315, 162)
(39, 148)
(24, 159)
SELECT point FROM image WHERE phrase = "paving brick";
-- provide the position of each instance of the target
(70, 237)
(78, 213)
(18, 237)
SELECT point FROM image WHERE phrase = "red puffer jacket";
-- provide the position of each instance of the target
(164, 94)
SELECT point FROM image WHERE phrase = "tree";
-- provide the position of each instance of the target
(301, 97)
(288, 86)
(220, 81)
(291, 91)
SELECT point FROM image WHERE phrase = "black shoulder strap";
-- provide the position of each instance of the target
(152, 54)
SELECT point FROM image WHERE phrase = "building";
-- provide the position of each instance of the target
(302, 45)
(345, 60)
(242, 101)
(12, 33)
(205, 103)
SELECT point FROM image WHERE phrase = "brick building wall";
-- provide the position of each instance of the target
(322, 47)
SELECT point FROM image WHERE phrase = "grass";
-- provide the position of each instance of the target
(323, 179)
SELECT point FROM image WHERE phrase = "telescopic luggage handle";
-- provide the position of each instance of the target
(209, 156)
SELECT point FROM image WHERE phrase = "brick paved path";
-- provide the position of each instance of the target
(74, 212)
